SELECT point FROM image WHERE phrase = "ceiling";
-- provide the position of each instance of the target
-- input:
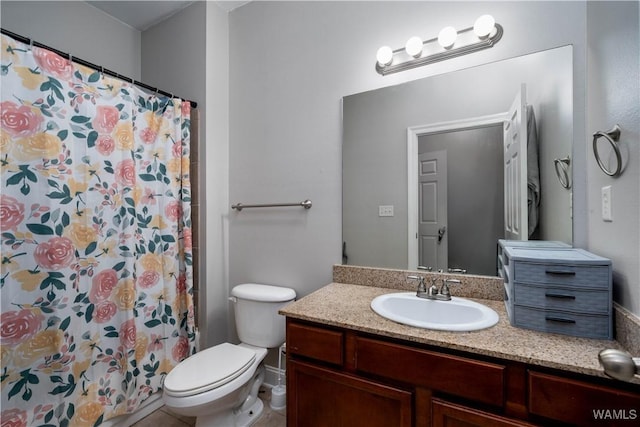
(142, 15)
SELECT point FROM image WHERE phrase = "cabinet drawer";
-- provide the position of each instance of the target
(595, 277)
(571, 299)
(317, 343)
(581, 404)
(563, 322)
(467, 378)
(446, 414)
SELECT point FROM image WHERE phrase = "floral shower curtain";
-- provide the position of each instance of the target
(96, 280)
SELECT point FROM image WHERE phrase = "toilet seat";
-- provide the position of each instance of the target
(208, 369)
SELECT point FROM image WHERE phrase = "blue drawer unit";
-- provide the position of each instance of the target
(558, 289)
(503, 243)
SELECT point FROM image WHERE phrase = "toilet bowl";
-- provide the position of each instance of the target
(220, 385)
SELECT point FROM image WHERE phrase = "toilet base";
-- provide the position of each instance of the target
(244, 414)
(251, 415)
(244, 418)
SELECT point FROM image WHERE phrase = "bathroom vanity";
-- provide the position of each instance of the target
(348, 366)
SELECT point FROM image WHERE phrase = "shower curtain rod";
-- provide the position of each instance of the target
(103, 70)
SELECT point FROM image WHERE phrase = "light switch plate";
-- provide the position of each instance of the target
(385, 210)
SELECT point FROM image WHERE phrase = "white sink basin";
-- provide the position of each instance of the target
(459, 314)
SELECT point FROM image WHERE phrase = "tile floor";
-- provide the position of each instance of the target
(165, 418)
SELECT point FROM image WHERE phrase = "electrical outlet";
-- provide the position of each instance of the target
(606, 204)
(386, 210)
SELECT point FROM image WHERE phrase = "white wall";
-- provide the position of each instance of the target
(614, 97)
(78, 28)
(291, 63)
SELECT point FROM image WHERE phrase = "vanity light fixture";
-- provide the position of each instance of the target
(449, 44)
(384, 56)
(447, 37)
(414, 47)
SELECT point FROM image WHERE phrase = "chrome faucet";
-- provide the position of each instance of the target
(433, 293)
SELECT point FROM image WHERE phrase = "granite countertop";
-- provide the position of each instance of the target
(347, 306)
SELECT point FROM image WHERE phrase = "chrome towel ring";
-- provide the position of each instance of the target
(612, 135)
(562, 171)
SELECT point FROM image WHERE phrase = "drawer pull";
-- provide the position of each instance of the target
(559, 296)
(561, 272)
(559, 319)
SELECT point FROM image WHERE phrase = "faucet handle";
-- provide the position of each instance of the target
(444, 291)
(421, 286)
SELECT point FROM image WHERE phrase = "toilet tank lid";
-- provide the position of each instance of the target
(266, 293)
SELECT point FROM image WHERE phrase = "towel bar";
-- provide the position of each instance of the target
(305, 204)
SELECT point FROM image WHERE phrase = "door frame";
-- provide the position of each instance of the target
(413, 133)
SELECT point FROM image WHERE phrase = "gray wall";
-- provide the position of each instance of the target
(291, 63)
(175, 57)
(78, 28)
(613, 96)
(216, 170)
(167, 64)
(189, 54)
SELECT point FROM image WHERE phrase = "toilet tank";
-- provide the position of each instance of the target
(256, 313)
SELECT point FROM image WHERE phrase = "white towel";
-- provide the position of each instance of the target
(533, 170)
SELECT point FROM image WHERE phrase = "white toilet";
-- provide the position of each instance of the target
(220, 385)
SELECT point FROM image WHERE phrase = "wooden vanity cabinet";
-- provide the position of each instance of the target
(340, 377)
(326, 397)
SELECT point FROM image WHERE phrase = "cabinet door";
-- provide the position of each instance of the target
(323, 397)
(580, 403)
(447, 414)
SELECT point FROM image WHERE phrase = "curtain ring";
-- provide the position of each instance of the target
(102, 71)
(30, 44)
(562, 171)
(612, 136)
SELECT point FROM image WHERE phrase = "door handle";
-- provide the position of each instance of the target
(441, 232)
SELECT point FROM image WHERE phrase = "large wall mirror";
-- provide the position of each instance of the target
(427, 158)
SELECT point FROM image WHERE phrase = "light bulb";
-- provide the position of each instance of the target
(414, 46)
(447, 37)
(483, 26)
(384, 56)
